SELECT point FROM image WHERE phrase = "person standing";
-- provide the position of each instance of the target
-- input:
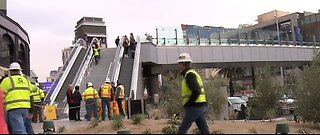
(38, 97)
(193, 97)
(18, 101)
(117, 41)
(105, 95)
(120, 97)
(3, 127)
(126, 45)
(70, 101)
(90, 96)
(133, 44)
(77, 103)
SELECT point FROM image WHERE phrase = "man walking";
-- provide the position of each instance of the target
(193, 97)
(90, 96)
(120, 97)
(105, 95)
(38, 97)
(18, 100)
(117, 41)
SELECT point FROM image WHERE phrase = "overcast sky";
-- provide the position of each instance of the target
(50, 23)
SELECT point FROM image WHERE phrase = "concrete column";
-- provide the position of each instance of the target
(154, 87)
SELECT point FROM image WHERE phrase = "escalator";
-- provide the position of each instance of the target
(125, 75)
(69, 79)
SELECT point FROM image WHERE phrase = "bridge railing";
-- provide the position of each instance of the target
(238, 37)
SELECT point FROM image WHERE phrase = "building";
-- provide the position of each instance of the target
(192, 33)
(310, 27)
(66, 53)
(53, 75)
(14, 42)
(271, 15)
(88, 28)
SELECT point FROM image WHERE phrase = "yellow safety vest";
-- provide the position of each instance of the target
(17, 90)
(106, 90)
(96, 52)
(90, 93)
(186, 92)
(38, 94)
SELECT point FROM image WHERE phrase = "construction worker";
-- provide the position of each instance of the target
(96, 54)
(18, 100)
(90, 96)
(105, 95)
(120, 96)
(193, 97)
(38, 97)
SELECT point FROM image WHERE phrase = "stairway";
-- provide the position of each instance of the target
(98, 72)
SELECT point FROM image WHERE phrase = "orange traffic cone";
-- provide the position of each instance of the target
(3, 124)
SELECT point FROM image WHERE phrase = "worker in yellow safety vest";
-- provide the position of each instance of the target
(96, 54)
(119, 97)
(105, 95)
(38, 97)
(90, 96)
(193, 97)
(18, 100)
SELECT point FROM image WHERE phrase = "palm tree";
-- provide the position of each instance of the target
(231, 74)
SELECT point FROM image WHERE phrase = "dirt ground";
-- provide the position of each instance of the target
(155, 126)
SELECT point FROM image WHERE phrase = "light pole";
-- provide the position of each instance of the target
(277, 23)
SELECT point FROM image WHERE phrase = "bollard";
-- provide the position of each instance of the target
(48, 126)
(123, 131)
(282, 128)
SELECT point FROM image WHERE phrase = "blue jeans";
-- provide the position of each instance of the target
(29, 126)
(91, 105)
(194, 114)
(105, 102)
(17, 121)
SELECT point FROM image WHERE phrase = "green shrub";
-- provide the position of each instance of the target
(93, 123)
(117, 122)
(137, 118)
(253, 131)
(147, 131)
(174, 120)
(170, 130)
(61, 129)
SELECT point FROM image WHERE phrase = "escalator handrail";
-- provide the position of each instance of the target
(64, 76)
(117, 63)
(135, 70)
(78, 43)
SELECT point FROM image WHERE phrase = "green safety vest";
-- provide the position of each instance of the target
(17, 91)
(96, 52)
(37, 94)
(186, 92)
(90, 93)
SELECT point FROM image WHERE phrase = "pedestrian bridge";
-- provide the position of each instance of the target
(227, 55)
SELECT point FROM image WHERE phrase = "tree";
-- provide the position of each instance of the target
(268, 94)
(231, 74)
(307, 94)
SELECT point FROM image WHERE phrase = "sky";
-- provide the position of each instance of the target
(51, 23)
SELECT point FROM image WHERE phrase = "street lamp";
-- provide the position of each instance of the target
(277, 23)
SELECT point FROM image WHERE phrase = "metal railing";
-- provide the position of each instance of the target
(117, 63)
(62, 70)
(68, 65)
(135, 70)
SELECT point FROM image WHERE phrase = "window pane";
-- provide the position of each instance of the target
(307, 19)
(313, 18)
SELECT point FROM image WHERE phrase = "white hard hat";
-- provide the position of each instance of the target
(89, 84)
(184, 57)
(107, 80)
(37, 84)
(15, 66)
